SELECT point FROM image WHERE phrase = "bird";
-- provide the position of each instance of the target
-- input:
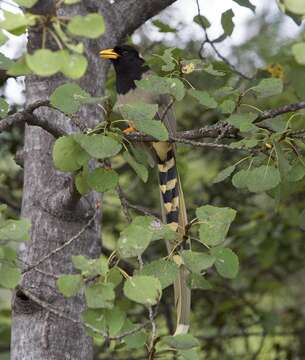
(129, 66)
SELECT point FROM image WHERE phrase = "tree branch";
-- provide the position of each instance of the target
(269, 114)
(27, 116)
(141, 11)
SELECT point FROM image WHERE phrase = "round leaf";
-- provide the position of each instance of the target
(100, 296)
(97, 145)
(197, 261)
(44, 62)
(134, 240)
(227, 264)
(102, 180)
(68, 155)
(165, 271)
(298, 51)
(68, 98)
(263, 178)
(295, 6)
(145, 290)
(91, 26)
(73, 66)
(69, 285)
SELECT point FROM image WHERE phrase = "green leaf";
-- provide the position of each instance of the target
(145, 290)
(114, 276)
(240, 179)
(4, 107)
(227, 21)
(138, 111)
(90, 26)
(202, 21)
(98, 146)
(44, 62)
(190, 354)
(9, 276)
(16, 23)
(115, 319)
(141, 114)
(181, 342)
(100, 296)
(246, 3)
(136, 340)
(227, 264)
(163, 28)
(19, 68)
(68, 155)
(204, 98)
(69, 98)
(215, 223)
(223, 174)
(282, 161)
(298, 51)
(197, 261)
(196, 281)
(81, 182)
(169, 60)
(69, 285)
(15, 230)
(90, 267)
(139, 169)
(74, 65)
(26, 3)
(154, 128)
(156, 227)
(102, 180)
(133, 241)
(243, 122)
(295, 6)
(163, 85)
(70, 2)
(227, 106)
(297, 172)
(95, 319)
(269, 87)
(5, 62)
(3, 38)
(165, 271)
(263, 178)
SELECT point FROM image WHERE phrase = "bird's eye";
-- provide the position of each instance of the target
(125, 53)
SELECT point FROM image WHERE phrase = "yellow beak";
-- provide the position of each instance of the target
(109, 54)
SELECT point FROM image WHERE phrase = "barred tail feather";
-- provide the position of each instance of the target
(174, 213)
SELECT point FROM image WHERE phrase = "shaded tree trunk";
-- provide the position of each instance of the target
(50, 202)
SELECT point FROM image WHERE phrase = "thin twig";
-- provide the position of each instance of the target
(203, 144)
(211, 43)
(63, 246)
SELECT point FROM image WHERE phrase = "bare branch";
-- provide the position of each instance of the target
(269, 114)
(207, 40)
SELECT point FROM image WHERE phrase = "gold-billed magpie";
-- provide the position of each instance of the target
(129, 67)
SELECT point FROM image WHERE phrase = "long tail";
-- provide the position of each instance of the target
(174, 212)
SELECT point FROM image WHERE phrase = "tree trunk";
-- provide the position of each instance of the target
(45, 324)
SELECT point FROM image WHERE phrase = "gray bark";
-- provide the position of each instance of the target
(51, 204)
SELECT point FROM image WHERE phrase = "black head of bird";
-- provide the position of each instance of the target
(128, 64)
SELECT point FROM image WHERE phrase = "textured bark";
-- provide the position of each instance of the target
(49, 200)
